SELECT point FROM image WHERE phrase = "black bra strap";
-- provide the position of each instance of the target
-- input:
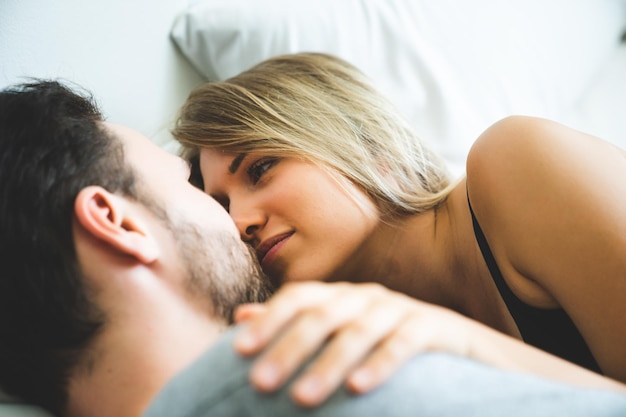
(549, 329)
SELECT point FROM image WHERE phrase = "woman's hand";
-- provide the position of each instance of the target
(371, 331)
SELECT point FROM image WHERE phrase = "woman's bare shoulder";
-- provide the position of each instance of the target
(535, 184)
(509, 145)
(527, 156)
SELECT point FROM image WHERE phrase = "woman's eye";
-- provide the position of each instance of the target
(260, 167)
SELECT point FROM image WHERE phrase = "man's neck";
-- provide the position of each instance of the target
(151, 335)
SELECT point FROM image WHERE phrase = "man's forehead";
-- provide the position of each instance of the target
(151, 162)
(129, 137)
(138, 149)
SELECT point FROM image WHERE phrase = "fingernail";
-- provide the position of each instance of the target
(360, 380)
(308, 391)
(266, 376)
(245, 342)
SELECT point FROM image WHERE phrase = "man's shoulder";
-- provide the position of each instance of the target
(213, 379)
(431, 384)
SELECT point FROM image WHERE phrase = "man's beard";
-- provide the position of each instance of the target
(220, 267)
(221, 271)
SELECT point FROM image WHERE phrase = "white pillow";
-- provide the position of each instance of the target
(452, 67)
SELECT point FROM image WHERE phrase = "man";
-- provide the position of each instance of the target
(94, 257)
(119, 274)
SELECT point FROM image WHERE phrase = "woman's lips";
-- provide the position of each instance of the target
(268, 250)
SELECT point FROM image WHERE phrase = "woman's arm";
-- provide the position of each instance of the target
(372, 331)
(552, 203)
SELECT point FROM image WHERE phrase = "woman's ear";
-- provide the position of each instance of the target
(110, 219)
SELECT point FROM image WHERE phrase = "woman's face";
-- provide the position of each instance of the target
(302, 223)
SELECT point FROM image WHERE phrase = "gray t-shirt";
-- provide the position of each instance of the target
(432, 384)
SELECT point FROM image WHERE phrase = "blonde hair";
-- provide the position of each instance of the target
(321, 109)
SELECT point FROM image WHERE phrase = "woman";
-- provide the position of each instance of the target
(327, 182)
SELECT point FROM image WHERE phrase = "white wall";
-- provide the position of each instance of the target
(118, 49)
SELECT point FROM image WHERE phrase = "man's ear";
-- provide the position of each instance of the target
(110, 219)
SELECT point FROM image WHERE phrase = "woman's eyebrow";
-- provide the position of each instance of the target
(234, 166)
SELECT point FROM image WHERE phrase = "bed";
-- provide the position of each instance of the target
(452, 67)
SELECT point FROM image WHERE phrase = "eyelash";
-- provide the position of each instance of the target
(256, 170)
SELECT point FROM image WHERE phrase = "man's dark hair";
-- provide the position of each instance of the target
(52, 145)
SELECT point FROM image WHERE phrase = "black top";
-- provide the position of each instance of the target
(551, 330)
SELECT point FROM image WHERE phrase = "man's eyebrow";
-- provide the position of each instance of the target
(234, 166)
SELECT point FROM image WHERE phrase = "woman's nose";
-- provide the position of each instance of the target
(248, 221)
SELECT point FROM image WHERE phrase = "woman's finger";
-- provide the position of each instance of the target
(246, 312)
(278, 311)
(304, 335)
(427, 329)
(348, 346)
(393, 351)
